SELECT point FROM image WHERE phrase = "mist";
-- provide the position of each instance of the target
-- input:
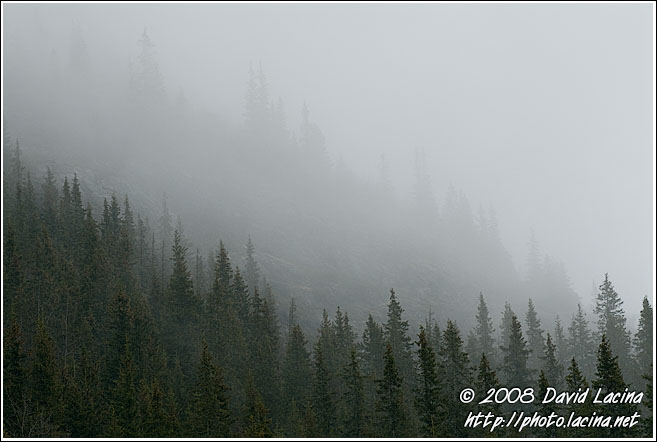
(538, 117)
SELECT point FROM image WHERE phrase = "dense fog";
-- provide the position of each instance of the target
(444, 150)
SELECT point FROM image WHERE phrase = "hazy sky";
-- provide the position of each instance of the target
(542, 110)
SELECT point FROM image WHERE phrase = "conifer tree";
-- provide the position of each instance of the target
(210, 414)
(576, 383)
(323, 401)
(396, 334)
(353, 421)
(552, 369)
(456, 373)
(580, 342)
(609, 379)
(535, 339)
(505, 328)
(611, 323)
(560, 342)
(43, 378)
(515, 356)
(427, 399)
(251, 270)
(373, 348)
(296, 369)
(391, 407)
(258, 423)
(484, 331)
(545, 409)
(643, 342)
(15, 382)
(486, 379)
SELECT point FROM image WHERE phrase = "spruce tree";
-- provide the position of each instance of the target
(580, 342)
(560, 342)
(609, 379)
(396, 334)
(296, 370)
(484, 331)
(427, 397)
(515, 355)
(552, 369)
(505, 328)
(323, 400)
(486, 379)
(456, 373)
(643, 342)
(353, 420)
(393, 417)
(15, 382)
(535, 339)
(611, 323)
(210, 414)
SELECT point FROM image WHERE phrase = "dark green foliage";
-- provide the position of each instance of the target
(516, 372)
(486, 379)
(535, 341)
(427, 400)
(484, 331)
(552, 370)
(643, 340)
(296, 373)
(353, 420)
(609, 379)
(611, 323)
(456, 374)
(104, 323)
(580, 342)
(393, 417)
(209, 415)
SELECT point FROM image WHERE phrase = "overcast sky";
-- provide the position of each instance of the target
(542, 110)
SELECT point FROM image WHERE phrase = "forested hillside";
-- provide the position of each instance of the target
(108, 333)
(325, 235)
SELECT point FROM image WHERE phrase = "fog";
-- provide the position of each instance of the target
(542, 112)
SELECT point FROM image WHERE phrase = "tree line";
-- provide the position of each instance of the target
(110, 333)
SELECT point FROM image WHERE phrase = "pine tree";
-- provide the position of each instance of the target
(484, 331)
(50, 200)
(515, 357)
(643, 342)
(505, 329)
(43, 375)
(611, 323)
(210, 414)
(393, 415)
(427, 401)
(486, 379)
(609, 379)
(580, 342)
(296, 369)
(15, 382)
(560, 342)
(545, 409)
(323, 401)
(124, 400)
(353, 421)
(373, 348)
(251, 270)
(535, 339)
(258, 423)
(552, 369)
(456, 373)
(576, 382)
(181, 309)
(396, 334)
